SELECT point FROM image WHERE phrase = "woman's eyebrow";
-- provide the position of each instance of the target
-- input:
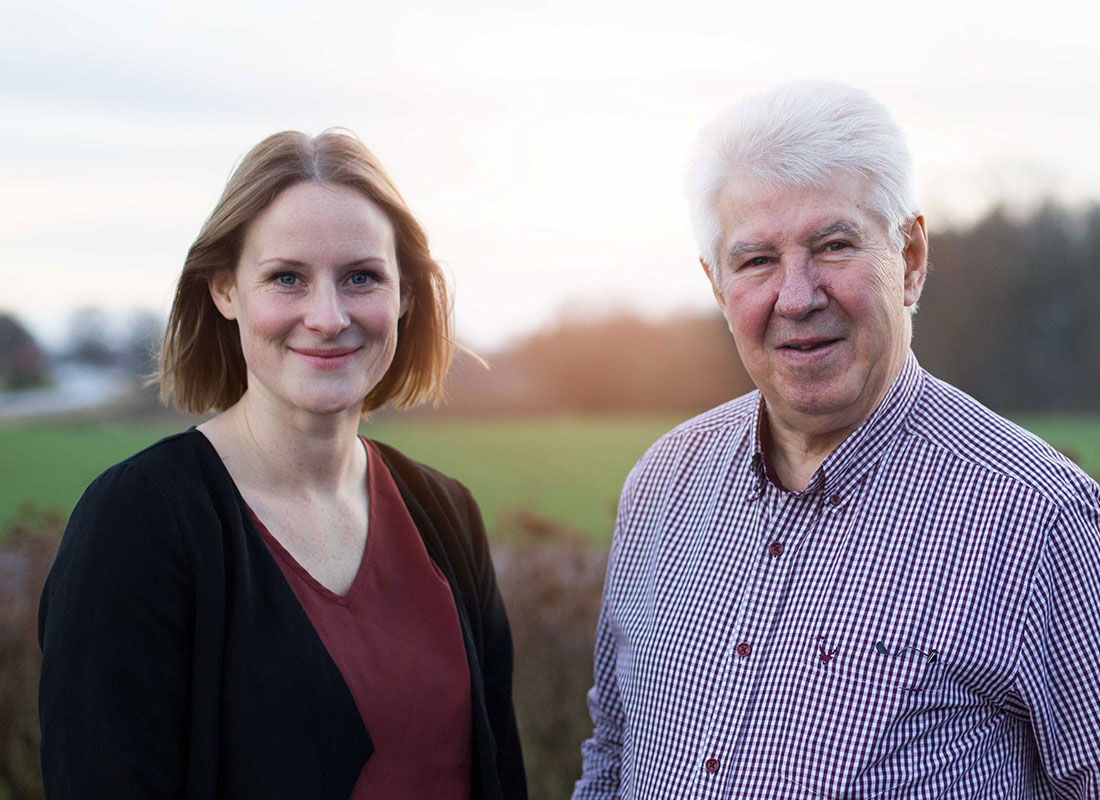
(292, 262)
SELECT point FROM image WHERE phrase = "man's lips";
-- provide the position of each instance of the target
(808, 344)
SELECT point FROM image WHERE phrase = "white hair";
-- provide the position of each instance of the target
(802, 134)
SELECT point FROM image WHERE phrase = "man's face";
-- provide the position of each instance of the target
(816, 298)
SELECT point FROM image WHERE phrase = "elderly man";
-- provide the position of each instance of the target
(856, 581)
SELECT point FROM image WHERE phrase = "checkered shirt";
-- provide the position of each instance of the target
(923, 621)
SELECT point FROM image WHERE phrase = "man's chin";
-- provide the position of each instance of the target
(817, 410)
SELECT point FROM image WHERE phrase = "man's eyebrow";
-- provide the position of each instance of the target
(840, 226)
(739, 249)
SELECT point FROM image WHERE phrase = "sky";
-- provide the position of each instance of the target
(541, 146)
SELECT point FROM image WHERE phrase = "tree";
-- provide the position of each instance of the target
(22, 363)
(88, 338)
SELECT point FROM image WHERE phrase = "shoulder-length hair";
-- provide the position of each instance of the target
(201, 366)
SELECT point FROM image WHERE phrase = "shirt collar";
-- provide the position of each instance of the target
(845, 466)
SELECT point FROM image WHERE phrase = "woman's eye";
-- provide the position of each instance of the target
(361, 278)
(286, 279)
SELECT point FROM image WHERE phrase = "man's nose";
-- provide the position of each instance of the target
(325, 312)
(800, 289)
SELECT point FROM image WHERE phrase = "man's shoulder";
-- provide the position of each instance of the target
(733, 416)
(965, 429)
(703, 433)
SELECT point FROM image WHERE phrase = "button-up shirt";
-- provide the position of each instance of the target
(923, 620)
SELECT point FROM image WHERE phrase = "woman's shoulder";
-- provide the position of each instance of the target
(140, 514)
(442, 508)
(173, 464)
(169, 481)
(417, 476)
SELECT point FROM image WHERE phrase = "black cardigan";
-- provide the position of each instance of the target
(177, 662)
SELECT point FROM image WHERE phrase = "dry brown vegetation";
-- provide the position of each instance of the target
(551, 580)
(26, 553)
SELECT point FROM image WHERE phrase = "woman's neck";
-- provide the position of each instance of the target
(310, 453)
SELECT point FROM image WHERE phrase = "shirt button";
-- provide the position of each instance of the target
(711, 765)
(775, 549)
(743, 650)
(835, 499)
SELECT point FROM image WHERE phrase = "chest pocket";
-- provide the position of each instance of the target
(854, 717)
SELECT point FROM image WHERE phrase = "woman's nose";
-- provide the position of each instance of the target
(325, 313)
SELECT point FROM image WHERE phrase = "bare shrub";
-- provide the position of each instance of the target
(551, 580)
(26, 551)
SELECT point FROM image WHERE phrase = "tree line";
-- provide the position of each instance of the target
(1010, 313)
(1011, 310)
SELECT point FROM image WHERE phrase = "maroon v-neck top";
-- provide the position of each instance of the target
(395, 638)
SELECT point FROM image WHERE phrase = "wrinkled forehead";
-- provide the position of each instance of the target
(761, 213)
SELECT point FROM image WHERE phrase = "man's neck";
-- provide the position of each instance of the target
(794, 456)
(796, 444)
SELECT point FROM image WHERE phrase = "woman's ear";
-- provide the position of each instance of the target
(223, 291)
(406, 303)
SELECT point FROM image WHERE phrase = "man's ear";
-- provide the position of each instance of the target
(713, 284)
(916, 260)
(223, 291)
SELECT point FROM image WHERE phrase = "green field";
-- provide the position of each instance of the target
(564, 468)
(569, 469)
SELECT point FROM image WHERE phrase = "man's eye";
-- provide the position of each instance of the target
(759, 261)
(834, 247)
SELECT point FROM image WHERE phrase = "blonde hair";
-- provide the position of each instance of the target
(200, 364)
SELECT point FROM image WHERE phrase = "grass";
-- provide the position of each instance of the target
(1076, 435)
(50, 465)
(565, 468)
(569, 469)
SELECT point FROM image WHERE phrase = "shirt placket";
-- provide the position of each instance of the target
(779, 525)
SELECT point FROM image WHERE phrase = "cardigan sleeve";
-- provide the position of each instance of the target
(114, 626)
(498, 661)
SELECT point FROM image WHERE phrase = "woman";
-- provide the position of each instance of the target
(267, 605)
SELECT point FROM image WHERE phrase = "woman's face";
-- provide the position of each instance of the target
(317, 296)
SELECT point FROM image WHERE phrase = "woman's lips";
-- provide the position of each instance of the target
(326, 357)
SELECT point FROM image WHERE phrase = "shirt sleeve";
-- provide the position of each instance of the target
(602, 752)
(114, 625)
(1059, 666)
